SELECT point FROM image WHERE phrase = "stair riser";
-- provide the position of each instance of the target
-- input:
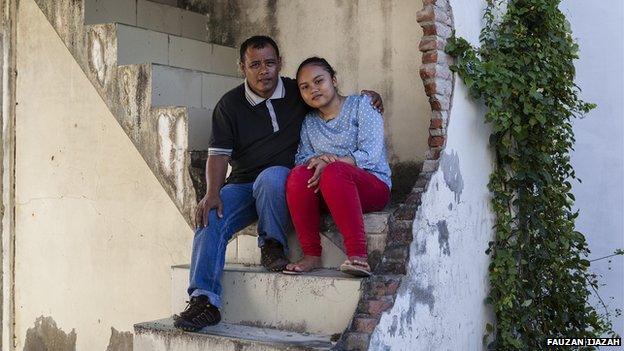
(181, 87)
(137, 45)
(183, 342)
(321, 305)
(244, 248)
(163, 17)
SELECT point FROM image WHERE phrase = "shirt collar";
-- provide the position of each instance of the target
(254, 99)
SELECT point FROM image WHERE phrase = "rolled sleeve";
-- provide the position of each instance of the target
(370, 138)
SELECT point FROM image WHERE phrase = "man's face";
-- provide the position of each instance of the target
(261, 67)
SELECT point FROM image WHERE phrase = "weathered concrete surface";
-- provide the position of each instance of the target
(46, 336)
(161, 336)
(150, 15)
(372, 45)
(127, 90)
(8, 73)
(96, 234)
(120, 341)
(321, 302)
(440, 304)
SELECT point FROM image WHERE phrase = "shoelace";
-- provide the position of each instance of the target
(192, 308)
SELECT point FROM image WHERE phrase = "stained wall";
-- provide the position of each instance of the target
(371, 44)
(96, 234)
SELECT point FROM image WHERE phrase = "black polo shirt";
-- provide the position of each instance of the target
(248, 131)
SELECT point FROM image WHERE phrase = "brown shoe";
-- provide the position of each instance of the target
(272, 256)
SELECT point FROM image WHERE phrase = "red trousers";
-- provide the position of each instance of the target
(347, 191)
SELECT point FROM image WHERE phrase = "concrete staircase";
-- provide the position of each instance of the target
(151, 64)
(271, 311)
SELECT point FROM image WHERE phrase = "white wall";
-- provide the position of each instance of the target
(96, 233)
(598, 159)
(440, 305)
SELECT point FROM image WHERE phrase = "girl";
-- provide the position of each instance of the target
(340, 164)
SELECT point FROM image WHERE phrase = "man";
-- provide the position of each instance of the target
(255, 128)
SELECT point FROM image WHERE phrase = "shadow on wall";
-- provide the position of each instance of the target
(404, 174)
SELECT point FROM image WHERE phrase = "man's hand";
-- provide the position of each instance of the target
(318, 164)
(203, 208)
(375, 100)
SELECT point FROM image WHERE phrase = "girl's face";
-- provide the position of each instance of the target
(316, 86)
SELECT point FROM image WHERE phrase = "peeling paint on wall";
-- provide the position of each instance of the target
(46, 336)
(449, 163)
(418, 295)
(96, 56)
(173, 138)
(443, 237)
(120, 341)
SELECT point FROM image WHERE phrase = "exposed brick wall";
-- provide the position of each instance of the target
(379, 291)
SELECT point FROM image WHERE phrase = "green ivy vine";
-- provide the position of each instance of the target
(524, 73)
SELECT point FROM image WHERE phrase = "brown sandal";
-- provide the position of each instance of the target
(356, 268)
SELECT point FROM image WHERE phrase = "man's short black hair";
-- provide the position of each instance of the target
(257, 42)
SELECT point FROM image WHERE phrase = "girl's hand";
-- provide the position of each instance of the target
(329, 158)
(318, 164)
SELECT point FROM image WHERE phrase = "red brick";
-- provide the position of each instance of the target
(430, 88)
(377, 307)
(429, 29)
(392, 287)
(428, 72)
(426, 14)
(378, 289)
(435, 141)
(365, 325)
(427, 43)
(430, 57)
(436, 106)
(434, 153)
(436, 123)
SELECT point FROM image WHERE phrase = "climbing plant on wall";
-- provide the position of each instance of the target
(524, 73)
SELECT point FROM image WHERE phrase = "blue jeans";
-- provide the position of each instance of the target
(263, 200)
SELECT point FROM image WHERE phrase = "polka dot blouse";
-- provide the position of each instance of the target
(358, 131)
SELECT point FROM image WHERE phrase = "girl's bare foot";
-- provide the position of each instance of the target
(306, 264)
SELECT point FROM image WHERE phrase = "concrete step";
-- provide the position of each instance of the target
(320, 302)
(244, 249)
(160, 15)
(137, 45)
(172, 86)
(160, 335)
